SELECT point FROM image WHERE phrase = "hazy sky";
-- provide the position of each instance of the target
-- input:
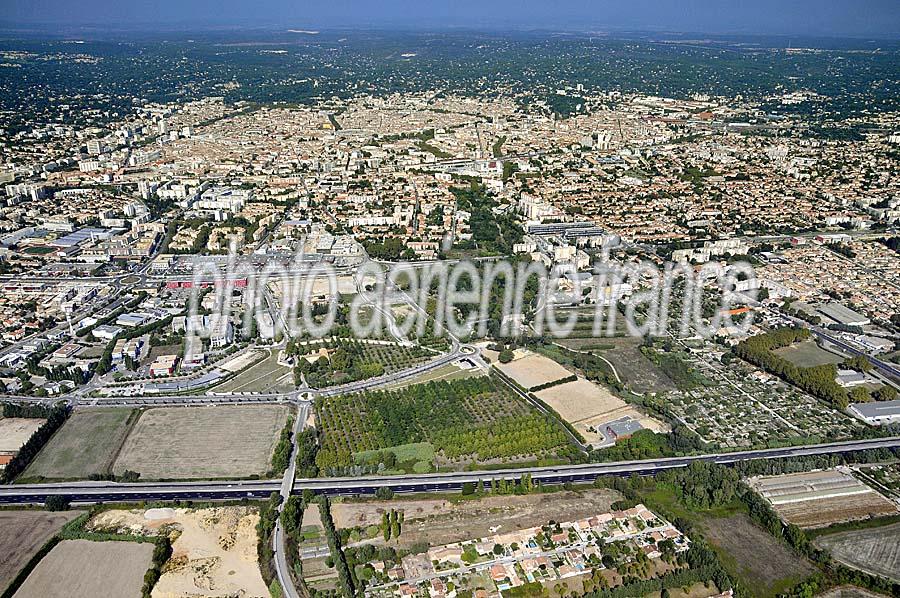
(879, 18)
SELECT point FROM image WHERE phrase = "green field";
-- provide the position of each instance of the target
(86, 444)
(807, 354)
(415, 457)
(446, 373)
(265, 376)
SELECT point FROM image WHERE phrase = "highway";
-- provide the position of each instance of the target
(93, 492)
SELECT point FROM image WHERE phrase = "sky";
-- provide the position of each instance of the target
(851, 18)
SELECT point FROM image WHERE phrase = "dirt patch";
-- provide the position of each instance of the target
(875, 550)
(77, 568)
(533, 370)
(215, 442)
(439, 522)
(22, 533)
(751, 553)
(214, 553)
(15, 431)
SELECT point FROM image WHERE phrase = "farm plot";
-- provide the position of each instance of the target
(214, 553)
(821, 498)
(807, 354)
(85, 568)
(15, 431)
(22, 533)
(216, 442)
(533, 370)
(464, 420)
(86, 444)
(874, 550)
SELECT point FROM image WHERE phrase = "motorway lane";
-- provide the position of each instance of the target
(232, 490)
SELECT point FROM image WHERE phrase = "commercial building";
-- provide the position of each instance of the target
(877, 414)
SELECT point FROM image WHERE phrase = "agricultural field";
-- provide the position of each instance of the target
(742, 407)
(821, 498)
(807, 354)
(215, 442)
(214, 553)
(86, 444)
(589, 407)
(437, 521)
(86, 568)
(532, 370)
(873, 550)
(759, 560)
(15, 431)
(22, 534)
(464, 420)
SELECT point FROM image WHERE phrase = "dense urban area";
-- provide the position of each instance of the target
(229, 366)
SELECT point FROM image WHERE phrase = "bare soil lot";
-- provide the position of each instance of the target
(533, 370)
(214, 442)
(81, 568)
(437, 521)
(214, 553)
(22, 533)
(588, 407)
(87, 443)
(874, 550)
(579, 400)
(15, 431)
(755, 556)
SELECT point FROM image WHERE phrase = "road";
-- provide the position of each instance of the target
(93, 492)
(282, 568)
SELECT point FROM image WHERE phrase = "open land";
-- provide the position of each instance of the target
(81, 568)
(438, 521)
(86, 444)
(532, 370)
(758, 559)
(214, 553)
(15, 431)
(266, 376)
(873, 550)
(635, 371)
(215, 442)
(588, 406)
(807, 354)
(22, 533)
